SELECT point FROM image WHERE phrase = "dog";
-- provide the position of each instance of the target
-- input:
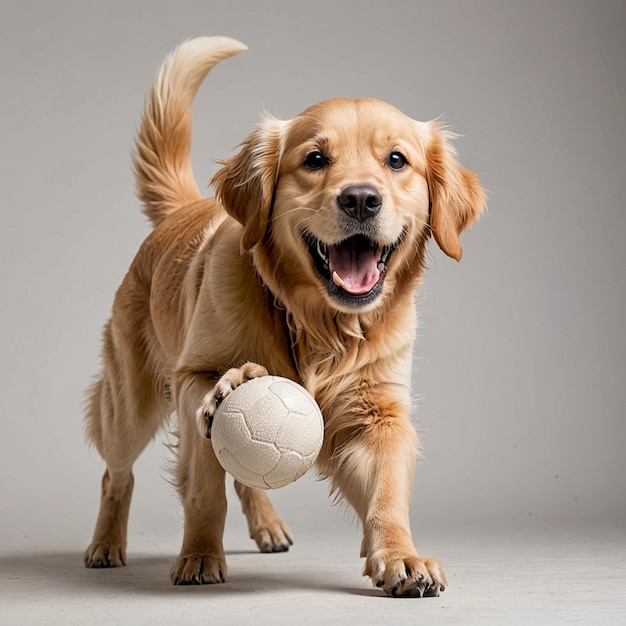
(306, 265)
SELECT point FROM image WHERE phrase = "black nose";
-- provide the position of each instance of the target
(360, 201)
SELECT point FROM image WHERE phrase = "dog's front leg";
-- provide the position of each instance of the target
(224, 386)
(201, 484)
(200, 481)
(200, 478)
(373, 469)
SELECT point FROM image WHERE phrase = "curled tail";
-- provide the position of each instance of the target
(162, 163)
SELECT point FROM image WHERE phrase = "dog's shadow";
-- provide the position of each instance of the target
(147, 574)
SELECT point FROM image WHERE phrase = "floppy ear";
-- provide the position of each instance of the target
(456, 197)
(245, 184)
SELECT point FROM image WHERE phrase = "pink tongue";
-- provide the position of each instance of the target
(355, 265)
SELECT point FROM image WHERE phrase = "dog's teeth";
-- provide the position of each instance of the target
(321, 250)
(337, 280)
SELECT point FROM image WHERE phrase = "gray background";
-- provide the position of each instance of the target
(520, 365)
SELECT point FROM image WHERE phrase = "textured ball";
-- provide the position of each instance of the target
(267, 432)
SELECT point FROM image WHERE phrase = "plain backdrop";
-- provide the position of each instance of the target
(519, 370)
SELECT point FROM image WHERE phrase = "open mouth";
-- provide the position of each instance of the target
(353, 269)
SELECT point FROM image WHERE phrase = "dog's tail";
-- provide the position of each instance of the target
(162, 162)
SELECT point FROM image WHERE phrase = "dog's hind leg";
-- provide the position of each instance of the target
(123, 416)
(269, 532)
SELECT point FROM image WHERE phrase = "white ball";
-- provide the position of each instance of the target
(267, 432)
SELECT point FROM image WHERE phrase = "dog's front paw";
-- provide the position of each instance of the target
(408, 577)
(198, 569)
(223, 388)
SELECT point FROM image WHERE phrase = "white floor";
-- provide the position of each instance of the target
(552, 576)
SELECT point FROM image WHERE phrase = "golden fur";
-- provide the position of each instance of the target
(227, 289)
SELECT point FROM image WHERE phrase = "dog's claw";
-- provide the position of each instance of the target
(411, 577)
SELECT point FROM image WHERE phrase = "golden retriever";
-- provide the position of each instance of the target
(305, 265)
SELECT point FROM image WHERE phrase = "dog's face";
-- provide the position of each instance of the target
(347, 194)
(351, 192)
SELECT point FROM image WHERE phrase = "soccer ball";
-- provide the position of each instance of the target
(267, 432)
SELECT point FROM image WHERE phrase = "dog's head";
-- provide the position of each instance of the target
(345, 195)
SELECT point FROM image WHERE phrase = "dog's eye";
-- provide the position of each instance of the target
(396, 160)
(316, 160)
